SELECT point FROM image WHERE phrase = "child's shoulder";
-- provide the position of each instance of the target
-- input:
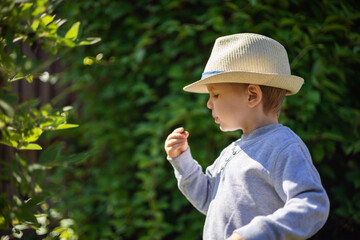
(280, 137)
(283, 140)
(285, 132)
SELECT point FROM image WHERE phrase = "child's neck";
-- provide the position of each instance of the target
(260, 120)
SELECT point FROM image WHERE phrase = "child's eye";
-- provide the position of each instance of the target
(216, 95)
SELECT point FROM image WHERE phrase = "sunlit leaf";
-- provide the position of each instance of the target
(89, 41)
(35, 24)
(35, 134)
(66, 126)
(18, 39)
(72, 33)
(25, 6)
(47, 19)
(2, 221)
(88, 61)
(9, 143)
(36, 166)
(60, 22)
(29, 78)
(21, 76)
(31, 146)
(67, 108)
(67, 42)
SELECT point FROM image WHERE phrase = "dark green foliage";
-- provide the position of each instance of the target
(130, 98)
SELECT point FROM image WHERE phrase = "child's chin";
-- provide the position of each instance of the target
(227, 129)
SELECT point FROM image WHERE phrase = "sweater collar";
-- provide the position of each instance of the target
(260, 132)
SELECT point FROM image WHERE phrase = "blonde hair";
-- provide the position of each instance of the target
(272, 99)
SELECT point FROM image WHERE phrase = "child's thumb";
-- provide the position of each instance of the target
(186, 134)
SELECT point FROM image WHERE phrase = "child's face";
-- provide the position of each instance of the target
(228, 103)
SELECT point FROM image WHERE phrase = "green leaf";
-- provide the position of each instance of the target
(66, 126)
(31, 146)
(74, 158)
(51, 156)
(2, 222)
(35, 24)
(25, 6)
(9, 143)
(29, 78)
(32, 202)
(2, 124)
(9, 110)
(51, 153)
(332, 136)
(17, 200)
(67, 42)
(35, 134)
(26, 215)
(88, 61)
(40, 9)
(20, 76)
(47, 19)
(67, 108)
(70, 159)
(89, 41)
(73, 31)
(35, 166)
(253, 2)
(356, 147)
(334, 27)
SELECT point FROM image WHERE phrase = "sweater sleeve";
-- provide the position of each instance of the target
(192, 182)
(306, 207)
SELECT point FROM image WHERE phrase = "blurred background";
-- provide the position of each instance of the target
(109, 178)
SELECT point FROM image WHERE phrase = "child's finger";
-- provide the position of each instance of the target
(173, 142)
(176, 135)
(179, 130)
(178, 145)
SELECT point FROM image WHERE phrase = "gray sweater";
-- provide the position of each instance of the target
(262, 186)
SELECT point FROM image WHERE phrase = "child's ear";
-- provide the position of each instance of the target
(254, 95)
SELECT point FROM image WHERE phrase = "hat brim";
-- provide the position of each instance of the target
(290, 83)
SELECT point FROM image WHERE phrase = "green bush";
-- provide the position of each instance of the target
(25, 205)
(129, 98)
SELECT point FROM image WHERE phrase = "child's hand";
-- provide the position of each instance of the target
(176, 143)
(235, 236)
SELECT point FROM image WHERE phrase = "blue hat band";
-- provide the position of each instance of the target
(209, 74)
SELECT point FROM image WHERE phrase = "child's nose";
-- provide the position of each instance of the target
(209, 104)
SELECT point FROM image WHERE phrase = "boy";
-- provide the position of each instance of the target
(264, 185)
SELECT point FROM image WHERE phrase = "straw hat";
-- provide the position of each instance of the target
(248, 58)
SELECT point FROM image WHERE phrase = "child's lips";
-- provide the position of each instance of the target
(217, 120)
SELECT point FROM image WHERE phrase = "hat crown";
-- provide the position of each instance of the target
(248, 52)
